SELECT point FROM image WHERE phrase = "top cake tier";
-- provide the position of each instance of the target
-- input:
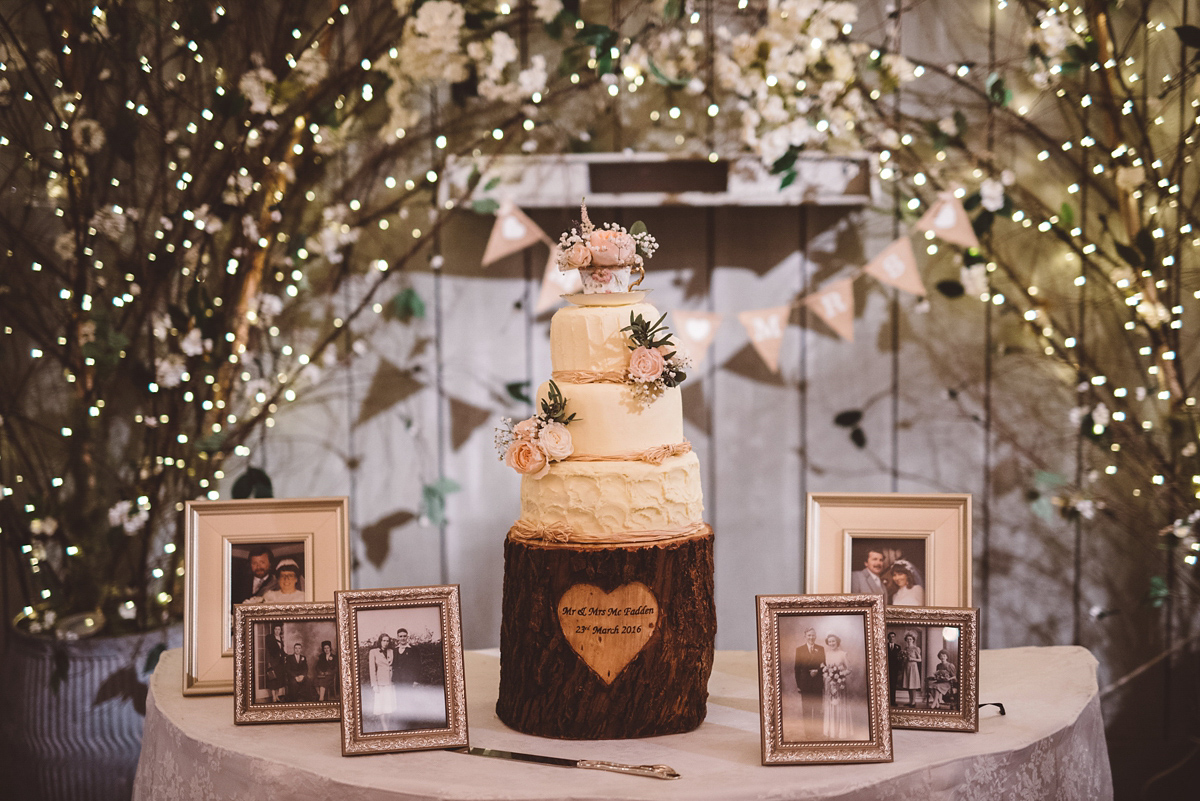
(589, 338)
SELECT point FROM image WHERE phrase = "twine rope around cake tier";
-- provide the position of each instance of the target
(590, 376)
(656, 455)
(561, 533)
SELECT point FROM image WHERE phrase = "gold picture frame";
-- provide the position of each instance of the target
(822, 679)
(307, 535)
(286, 668)
(913, 549)
(944, 694)
(403, 682)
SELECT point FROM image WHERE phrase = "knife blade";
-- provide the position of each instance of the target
(651, 771)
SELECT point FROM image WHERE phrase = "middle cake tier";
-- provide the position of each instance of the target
(610, 422)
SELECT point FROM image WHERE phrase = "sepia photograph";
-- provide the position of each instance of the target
(266, 572)
(823, 681)
(932, 656)
(402, 682)
(287, 665)
(893, 567)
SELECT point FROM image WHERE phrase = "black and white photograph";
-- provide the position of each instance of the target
(401, 666)
(932, 654)
(823, 679)
(403, 684)
(288, 663)
(893, 567)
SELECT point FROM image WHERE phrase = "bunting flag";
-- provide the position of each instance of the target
(555, 284)
(512, 233)
(695, 331)
(949, 221)
(897, 266)
(834, 304)
(765, 327)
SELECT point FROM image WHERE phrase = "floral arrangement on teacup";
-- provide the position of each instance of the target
(654, 362)
(607, 256)
(532, 445)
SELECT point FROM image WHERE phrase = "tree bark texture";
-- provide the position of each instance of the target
(547, 689)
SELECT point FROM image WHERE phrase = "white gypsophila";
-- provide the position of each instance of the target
(254, 85)
(249, 228)
(533, 78)
(991, 194)
(547, 10)
(194, 344)
(169, 370)
(87, 135)
(43, 526)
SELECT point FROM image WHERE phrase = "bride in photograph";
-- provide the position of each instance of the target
(836, 670)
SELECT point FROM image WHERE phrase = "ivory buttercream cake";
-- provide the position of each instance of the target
(608, 616)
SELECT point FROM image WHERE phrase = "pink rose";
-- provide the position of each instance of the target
(525, 429)
(611, 248)
(646, 364)
(578, 255)
(526, 457)
(555, 441)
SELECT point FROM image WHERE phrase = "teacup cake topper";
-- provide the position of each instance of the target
(606, 256)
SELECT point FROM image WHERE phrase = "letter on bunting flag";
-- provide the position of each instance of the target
(949, 221)
(897, 266)
(695, 331)
(834, 304)
(555, 284)
(765, 327)
(513, 232)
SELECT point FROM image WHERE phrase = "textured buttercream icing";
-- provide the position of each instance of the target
(611, 498)
(610, 421)
(589, 338)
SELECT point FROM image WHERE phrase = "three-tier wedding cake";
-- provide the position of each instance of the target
(608, 617)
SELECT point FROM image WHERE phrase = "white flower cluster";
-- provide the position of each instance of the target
(1049, 42)
(335, 234)
(257, 85)
(124, 514)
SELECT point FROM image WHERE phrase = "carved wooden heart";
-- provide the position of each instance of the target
(608, 629)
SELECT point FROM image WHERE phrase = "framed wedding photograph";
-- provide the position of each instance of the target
(933, 668)
(286, 665)
(403, 685)
(823, 679)
(909, 549)
(255, 551)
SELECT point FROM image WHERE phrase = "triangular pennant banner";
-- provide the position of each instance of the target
(464, 419)
(765, 327)
(896, 265)
(949, 221)
(695, 331)
(555, 284)
(834, 304)
(513, 232)
(389, 386)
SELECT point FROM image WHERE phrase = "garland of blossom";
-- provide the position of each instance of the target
(654, 363)
(532, 445)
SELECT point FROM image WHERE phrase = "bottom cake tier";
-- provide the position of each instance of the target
(607, 642)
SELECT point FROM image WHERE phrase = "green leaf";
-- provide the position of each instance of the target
(433, 500)
(983, 222)
(518, 391)
(859, 438)
(960, 123)
(848, 419)
(254, 483)
(951, 288)
(662, 77)
(971, 201)
(152, 657)
(673, 9)
(997, 90)
(407, 305)
(485, 205)
(638, 227)
(785, 162)
(1158, 592)
(492, 184)
(1066, 214)
(1189, 35)
(788, 179)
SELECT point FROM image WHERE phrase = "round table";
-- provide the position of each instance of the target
(1050, 744)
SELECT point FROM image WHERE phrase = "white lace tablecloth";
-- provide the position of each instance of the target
(1049, 746)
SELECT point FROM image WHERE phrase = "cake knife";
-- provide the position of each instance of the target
(653, 771)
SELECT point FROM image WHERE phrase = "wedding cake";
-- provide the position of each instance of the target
(608, 615)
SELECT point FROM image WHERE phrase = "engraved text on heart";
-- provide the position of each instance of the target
(608, 629)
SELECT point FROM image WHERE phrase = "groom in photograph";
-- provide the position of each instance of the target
(869, 580)
(809, 659)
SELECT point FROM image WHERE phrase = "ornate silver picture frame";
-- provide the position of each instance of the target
(822, 679)
(287, 663)
(403, 684)
(933, 668)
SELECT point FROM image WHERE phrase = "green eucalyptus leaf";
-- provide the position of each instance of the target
(485, 205)
(638, 227)
(518, 391)
(407, 305)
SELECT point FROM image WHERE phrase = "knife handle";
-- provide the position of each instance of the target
(653, 771)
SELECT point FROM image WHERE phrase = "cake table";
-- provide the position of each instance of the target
(1050, 745)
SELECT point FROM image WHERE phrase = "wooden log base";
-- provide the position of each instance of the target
(606, 642)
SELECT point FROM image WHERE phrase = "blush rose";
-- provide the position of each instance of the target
(555, 441)
(646, 364)
(611, 248)
(527, 457)
(577, 256)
